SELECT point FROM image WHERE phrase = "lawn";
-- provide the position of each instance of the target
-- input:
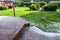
(9, 12)
(20, 11)
(46, 21)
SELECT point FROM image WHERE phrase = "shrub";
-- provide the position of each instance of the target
(3, 7)
(33, 7)
(16, 4)
(27, 4)
(21, 4)
(57, 3)
(10, 7)
(40, 4)
(50, 7)
(36, 5)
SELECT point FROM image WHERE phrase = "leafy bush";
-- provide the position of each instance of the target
(36, 5)
(57, 3)
(21, 4)
(40, 4)
(33, 7)
(16, 4)
(3, 7)
(50, 7)
(27, 4)
(10, 7)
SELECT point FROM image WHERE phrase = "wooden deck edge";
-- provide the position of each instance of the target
(21, 31)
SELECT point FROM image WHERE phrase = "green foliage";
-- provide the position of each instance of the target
(33, 7)
(57, 3)
(10, 7)
(40, 4)
(21, 4)
(27, 4)
(3, 7)
(50, 7)
(16, 4)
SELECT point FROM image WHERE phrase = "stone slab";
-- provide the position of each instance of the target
(11, 27)
(34, 33)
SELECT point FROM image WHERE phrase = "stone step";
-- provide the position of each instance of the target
(11, 28)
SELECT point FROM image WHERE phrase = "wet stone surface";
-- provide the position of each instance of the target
(10, 26)
(30, 35)
(33, 33)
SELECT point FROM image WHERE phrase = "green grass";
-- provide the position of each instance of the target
(19, 11)
(40, 19)
(43, 20)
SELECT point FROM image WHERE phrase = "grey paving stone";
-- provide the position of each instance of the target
(34, 33)
(10, 27)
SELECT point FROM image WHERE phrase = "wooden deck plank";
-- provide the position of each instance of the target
(11, 27)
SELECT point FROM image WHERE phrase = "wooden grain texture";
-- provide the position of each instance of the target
(11, 28)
